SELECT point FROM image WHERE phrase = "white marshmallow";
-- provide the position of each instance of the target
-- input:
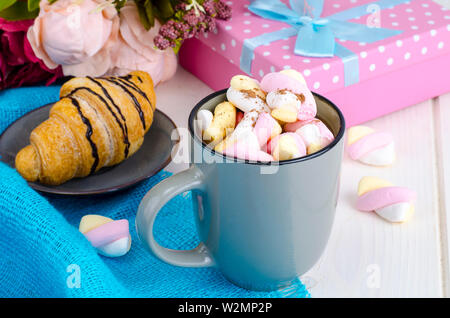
(247, 122)
(399, 212)
(243, 131)
(275, 99)
(117, 248)
(204, 119)
(245, 103)
(380, 157)
(249, 138)
(310, 134)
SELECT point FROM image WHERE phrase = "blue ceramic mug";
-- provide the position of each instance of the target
(261, 224)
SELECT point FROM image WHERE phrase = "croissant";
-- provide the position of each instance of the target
(98, 122)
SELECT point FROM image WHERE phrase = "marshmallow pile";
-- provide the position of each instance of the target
(268, 121)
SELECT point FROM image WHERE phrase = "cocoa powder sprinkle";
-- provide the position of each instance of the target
(250, 93)
(300, 97)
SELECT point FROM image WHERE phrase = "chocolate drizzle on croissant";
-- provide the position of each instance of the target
(88, 134)
(98, 122)
(123, 123)
(136, 103)
(127, 82)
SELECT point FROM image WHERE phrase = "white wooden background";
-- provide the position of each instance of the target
(367, 256)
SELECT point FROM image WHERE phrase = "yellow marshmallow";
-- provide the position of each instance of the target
(227, 142)
(220, 146)
(242, 82)
(277, 130)
(245, 83)
(223, 122)
(286, 115)
(371, 183)
(312, 148)
(92, 221)
(285, 149)
(294, 74)
(357, 132)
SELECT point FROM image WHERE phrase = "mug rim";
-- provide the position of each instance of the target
(322, 151)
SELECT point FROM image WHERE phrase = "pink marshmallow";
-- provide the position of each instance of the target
(323, 129)
(263, 156)
(264, 128)
(382, 197)
(308, 110)
(264, 148)
(292, 127)
(108, 233)
(243, 150)
(279, 81)
(368, 143)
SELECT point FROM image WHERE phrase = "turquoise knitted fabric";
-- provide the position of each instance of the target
(42, 251)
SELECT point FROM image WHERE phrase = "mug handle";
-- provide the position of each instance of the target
(152, 203)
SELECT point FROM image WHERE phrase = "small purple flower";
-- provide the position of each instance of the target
(182, 28)
(210, 8)
(210, 24)
(181, 6)
(190, 33)
(161, 43)
(169, 31)
(190, 19)
(223, 10)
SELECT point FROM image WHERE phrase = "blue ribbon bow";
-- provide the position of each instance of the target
(315, 34)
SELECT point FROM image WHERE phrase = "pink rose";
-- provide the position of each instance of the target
(87, 38)
(18, 64)
(135, 49)
(74, 34)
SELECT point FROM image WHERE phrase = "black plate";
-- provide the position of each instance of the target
(153, 156)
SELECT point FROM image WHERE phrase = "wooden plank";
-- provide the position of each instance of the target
(369, 257)
(442, 119)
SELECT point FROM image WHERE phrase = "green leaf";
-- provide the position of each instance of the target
(143, 17)
(6, 3)
(119, 4)
(149, 12)
(165, 8)
(18, 11)
(177, 47)
(33, 5)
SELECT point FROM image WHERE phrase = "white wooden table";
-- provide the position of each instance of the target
(367, 256)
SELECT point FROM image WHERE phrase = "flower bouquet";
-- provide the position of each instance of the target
(43, 40)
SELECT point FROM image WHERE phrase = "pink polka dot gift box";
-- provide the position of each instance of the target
(369, 57)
